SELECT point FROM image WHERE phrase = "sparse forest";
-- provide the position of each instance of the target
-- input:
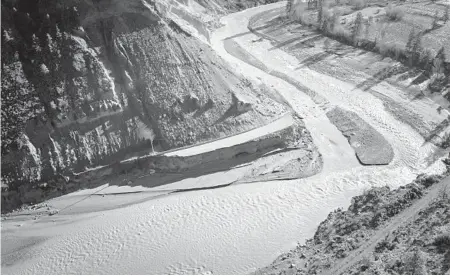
(369, 25)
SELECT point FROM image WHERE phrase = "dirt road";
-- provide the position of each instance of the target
(401, 219)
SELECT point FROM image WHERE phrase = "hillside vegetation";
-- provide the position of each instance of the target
(402, 231)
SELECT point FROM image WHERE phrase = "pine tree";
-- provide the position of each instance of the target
(439, 61)
(333, 21)
(325, 25)
(446, 14)
(416, 48)
(417, 43)
(408, 46)
(367, 28)
(357, 27)
(383, 32)
(435, 20)
(320, 14)
(327, 44)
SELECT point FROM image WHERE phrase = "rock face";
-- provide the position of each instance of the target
(370, 146)
(84, 83)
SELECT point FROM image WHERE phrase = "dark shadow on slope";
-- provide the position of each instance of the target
(159, 179)
(313, 59)
(380, 76)
(438, 129)
(284, 43)
(204, 108)
(418, 96)
(270, 24)
(232, 111)
(238, 35)
(435, 156)
(414, 73)
(306, 41)
(419, 79)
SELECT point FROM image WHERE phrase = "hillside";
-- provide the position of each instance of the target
(243, 134)
(87, 83)
(401, 231)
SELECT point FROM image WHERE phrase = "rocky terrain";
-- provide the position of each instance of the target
(401, 231)
(89, 83)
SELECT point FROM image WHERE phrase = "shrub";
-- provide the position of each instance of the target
(442, 242)
(394, 13)
(428, 180)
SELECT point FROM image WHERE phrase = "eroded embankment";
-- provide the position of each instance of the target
(370, 146)
(292, 146)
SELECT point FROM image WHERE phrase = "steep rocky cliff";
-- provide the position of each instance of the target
(89, 82)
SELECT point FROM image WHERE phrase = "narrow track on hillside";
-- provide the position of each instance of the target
(397, 221)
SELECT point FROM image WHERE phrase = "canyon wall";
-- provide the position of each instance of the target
(89, 82)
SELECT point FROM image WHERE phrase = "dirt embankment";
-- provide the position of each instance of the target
(285, 154)
(404, 231)
(370, 146)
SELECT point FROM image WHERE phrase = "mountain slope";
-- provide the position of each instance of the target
(86, 83)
